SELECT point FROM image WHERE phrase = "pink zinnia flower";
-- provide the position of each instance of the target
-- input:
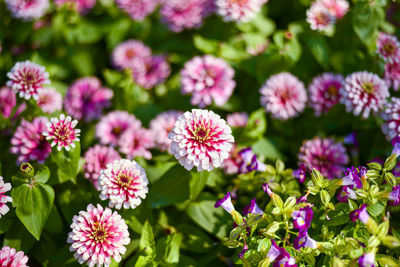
(137, 9)
(237, 119)
(28, 142)
(9, 257)
(283, 95)
(392, 74)
(27, 79)
(50, 100)
(161, 126)
(98, 235)
(124, 54)
(238, 10)
(27, 9)
(7, 101)
(232, 164)
(325, 155)
(62, 131)
(207, 78)
(136, 143)
(124, 183)
(320, 18)
(388, 47)
(96, 159)
(338, 8)
(391, 117)
(4, 187)
(151, 71)
(86, 99)
(82, 6)
(202, 139)
(324, 92)
(111, 126)
(363, 92)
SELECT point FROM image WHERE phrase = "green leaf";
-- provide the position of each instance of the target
(33, 205)
(339, 216)
(168, 248)
(376, 209)
(256, 125)
(19, 238)
(366, 19)
(267, 149)
(42, 173)
(147, 243)
(64, 165)
(205, 45)
(198, 181)
(319, 48)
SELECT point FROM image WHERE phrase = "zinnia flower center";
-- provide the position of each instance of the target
(124, 180)
(332, 90)
(62, 133)
(389, 48)
(99, 233)
(130, 53)
(116, 130)
(322, 18)
(30, 78)
(201, 134)
(368, 87)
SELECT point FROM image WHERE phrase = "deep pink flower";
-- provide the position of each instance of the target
(62, 131)
(27, 9)
(324, 92)
(124, 183)
(7, 101)
(388, 47)
(238, 10)
(27, 79)
(208, 79)
(338, 8)
(50, 100)
(161, 126)
(320, 18)
(202, 139)
(98, 235)
(136, 143)
(392, 74)
(151, 71)
(237, 119)
(283, 95)
(29, 143)
(125, 54)
(325, 155)
(96, 159)
(4, 187)
(391, 117)
(111, 126)
(82, 6)
(137, 9)
(9, 257)
(363, 92)
(86, 99)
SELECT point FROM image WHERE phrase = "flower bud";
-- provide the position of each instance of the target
(27, 170)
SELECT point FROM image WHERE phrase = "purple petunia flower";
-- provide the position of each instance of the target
(302, 218)
(353, 176)
(396, 146)
(249, 162)
(346, 193)
(394, 196)
(367, 260)
(280, 256)
(267, 189)
(360, 213)
(300, 173)
(303, 240)
(252, 208)
(226, 203)
(244, 250)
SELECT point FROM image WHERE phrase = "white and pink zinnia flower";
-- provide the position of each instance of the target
(388, 47)
(136, 142)
(137, 9)
(151, 71)
(27, 9)
(239, 11)
(208, 79)
(62, 131)
(124, 183)
(284, 96)
(161, 125)
(8, 101)
(323, 14)
(4, 187)
(98, 235)
(50, 100)
(201, 139)
(27, 79)
(9, 257)
(128, 52)
(391, 117)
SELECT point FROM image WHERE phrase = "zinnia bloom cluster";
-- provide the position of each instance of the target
(323, 14)
(124, 183)
(4, 187)
(324, 92)
(239, 11)
(7, 101)
(284, 96)
(391, 117)
(27, 79)
(137, 9)
(388, 48)
(28, 141)
(364, 92)
(98, 235)
(161, 125)
(62, 131)
(82, 6)
(27, 9)
(10, 257)
(325, 155)
(201, 139)
(208, 79)
(49, 100)
(86, 99)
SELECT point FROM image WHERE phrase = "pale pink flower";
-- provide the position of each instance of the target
(238, 10)
(391, 117)
(124, 183)
(208, 79)
(338, 8)
(98, 235)
(136, 143)
(112, 126)
(29, 143)
(4, 187)
(9, 257)
(27, 9)
(7, 101)
(283, 95)
(392, 74)
(86, 98)
(202, 139)
(320, 18)
(123, 56)
(161, 126)
(62, 131)
(151, 71)
(324, 92)
(325, 155)
(363, 92)
(27, 79)
(137, 9)
(96, 159)
(388, 47)
(232, 164)
(50, 100)
(237, 119)
(82, 6)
